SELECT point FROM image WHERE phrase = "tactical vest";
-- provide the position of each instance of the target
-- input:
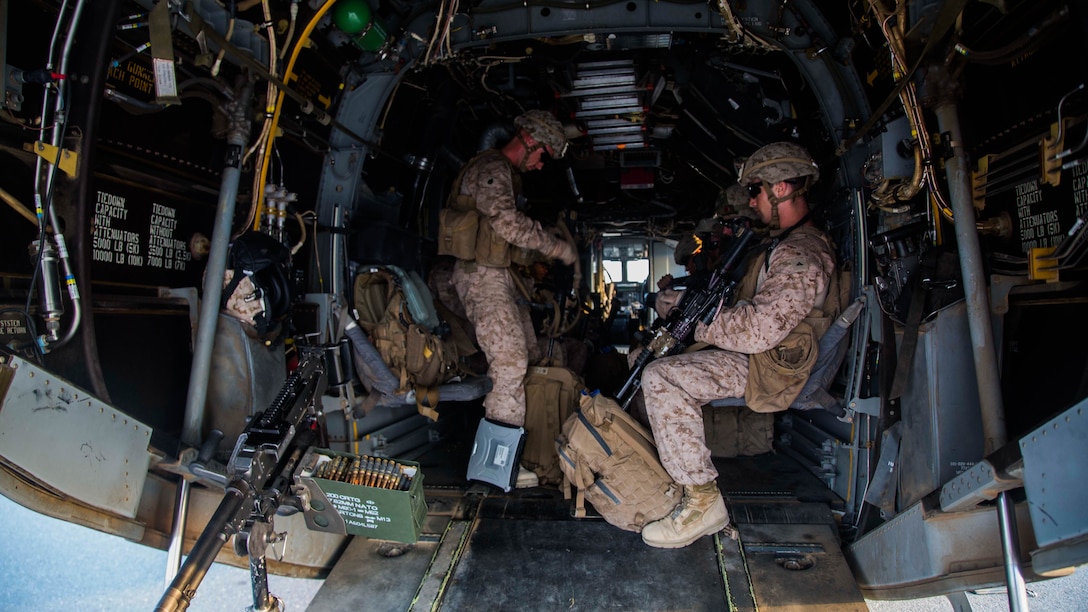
(466, 234)
(777, 375)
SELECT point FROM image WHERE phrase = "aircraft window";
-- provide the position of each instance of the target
(614, 270)
(625, 250)
(638, 270)
(631, 271)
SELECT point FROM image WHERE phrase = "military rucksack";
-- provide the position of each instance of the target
(397, 313)
(612, 461)
(551, 396)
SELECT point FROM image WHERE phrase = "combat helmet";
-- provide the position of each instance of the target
(685, 248)
(777, 162)
(545, 129)
(733, 201)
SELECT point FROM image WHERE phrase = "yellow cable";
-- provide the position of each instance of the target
(287, 74)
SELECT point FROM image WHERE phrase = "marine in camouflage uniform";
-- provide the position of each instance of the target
(733, 201)
(504, 328)
(793, 281)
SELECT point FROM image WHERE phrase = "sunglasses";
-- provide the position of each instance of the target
(754, 189)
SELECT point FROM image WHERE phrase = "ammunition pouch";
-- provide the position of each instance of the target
(491, 249)
(777, 375)
(468, 236)
(457, 231)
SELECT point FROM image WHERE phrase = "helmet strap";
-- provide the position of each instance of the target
(775, 200)
(527, 149)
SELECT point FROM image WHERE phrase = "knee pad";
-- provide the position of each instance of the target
(496, 454)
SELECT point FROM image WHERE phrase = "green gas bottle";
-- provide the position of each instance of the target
(356, 19)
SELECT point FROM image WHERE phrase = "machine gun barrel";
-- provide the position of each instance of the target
(220, 528)
(698, 304)
(262, 457)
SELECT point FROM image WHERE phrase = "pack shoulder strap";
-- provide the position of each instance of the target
(427, 402)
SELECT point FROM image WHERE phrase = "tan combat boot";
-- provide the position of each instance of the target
(527, 478)
(701, 512)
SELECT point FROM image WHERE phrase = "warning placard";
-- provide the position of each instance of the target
(138, 235)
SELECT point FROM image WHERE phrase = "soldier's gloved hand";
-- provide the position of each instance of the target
(566, 253)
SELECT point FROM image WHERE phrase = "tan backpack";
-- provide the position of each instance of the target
(612, 461)
(407, 341)
(551, 396)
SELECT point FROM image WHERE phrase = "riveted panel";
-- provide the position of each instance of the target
(71, 441)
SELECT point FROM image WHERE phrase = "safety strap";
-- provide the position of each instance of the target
(162, 54)
(370, 401)
(519, 283)
(903, 363)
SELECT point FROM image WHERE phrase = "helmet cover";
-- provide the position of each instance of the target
(777, 162)
(545, 129)
(685, 248)
(733, 200)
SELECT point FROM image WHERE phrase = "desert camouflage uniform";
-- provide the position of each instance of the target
(440, 282)
(677, 387)
(504, 328)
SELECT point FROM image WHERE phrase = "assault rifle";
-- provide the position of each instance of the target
(259, 479)
(700, 303)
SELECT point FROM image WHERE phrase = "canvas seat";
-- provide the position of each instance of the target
(831, 350)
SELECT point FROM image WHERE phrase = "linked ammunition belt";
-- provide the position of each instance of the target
(367, 471)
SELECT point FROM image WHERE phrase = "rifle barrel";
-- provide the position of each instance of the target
(698, 304)
(630, 387)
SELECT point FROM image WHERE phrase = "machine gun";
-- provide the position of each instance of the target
(259, 479)
(700, 303)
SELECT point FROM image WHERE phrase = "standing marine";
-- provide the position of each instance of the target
(491, 184)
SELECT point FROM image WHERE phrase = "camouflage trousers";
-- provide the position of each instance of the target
(505, 333)
(676, 389)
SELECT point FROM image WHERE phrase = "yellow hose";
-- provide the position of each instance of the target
(303, 38)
